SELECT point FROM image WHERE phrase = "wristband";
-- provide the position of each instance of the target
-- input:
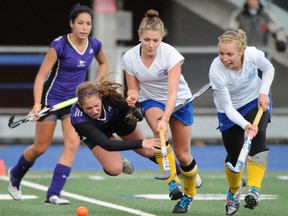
(37, 105)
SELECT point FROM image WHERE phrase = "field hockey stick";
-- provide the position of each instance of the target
(201, 91)
(43, 112)
(246, 146)
(164, 156)
(165, 160)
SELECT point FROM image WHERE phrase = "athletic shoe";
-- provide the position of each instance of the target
(128, 167)
(14, 188)
(175, 190)
(183, 205)
(252, 198)
(56, 200)
(233, 200)
(198, 181)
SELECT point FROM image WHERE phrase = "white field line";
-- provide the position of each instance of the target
(103, 177)
(83, 198)
(8, 197)
(143, 196)
(201, 196)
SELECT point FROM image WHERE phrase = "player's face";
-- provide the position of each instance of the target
(92, 106)
(82, 25)
(150, 41)
(230, 55)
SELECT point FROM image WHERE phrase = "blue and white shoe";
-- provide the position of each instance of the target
(232, 204)
(175, 190)
(252, 198)
(183, 205)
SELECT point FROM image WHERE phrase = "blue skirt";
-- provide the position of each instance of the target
(184, 114)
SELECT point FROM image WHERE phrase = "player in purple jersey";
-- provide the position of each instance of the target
(99, 114)
(63, 69)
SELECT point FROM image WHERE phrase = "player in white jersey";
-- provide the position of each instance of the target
(154, 79)
(238, 93)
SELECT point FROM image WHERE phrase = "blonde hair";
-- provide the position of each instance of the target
(238, 37)
(152, 21)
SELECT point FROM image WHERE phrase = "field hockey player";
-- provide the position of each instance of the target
(238, 94)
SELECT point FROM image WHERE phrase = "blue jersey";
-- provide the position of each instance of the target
(69, 71)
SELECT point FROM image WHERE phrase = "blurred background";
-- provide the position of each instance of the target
(28, 27)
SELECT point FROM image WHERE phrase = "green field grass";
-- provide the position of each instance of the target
(104, 195)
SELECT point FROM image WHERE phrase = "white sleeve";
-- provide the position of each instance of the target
(224, 99)
(126, 64)
(267, 78)
(268, 73)
(222, 96)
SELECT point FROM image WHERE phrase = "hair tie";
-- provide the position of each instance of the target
(230, 39)
(87, 93)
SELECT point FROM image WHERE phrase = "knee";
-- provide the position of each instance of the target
(182, 159)
(38, 150)
(113, 170)
(72, 145)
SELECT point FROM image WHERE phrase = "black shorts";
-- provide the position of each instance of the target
(58, 114)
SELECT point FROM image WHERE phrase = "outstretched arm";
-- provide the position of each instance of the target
(92, 136)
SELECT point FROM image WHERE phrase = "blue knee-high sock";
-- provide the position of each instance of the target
(19, 171)
(61, 173)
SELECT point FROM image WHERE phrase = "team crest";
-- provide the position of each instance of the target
(162, 73)
(252, 74)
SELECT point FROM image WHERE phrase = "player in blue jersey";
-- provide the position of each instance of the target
(63, 69)
(101, 112)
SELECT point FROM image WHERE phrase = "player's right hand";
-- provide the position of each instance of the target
(35, 111)
(131, 100)
(250, 127)
(151, 144)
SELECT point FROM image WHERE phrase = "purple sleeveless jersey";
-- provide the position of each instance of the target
(69, 71)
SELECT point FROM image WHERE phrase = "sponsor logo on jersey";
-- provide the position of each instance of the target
(81, 63)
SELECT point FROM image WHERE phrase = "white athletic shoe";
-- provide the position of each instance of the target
(14, 191)
(232, 204)
(198, 181)
(55, 200)
(128, 167)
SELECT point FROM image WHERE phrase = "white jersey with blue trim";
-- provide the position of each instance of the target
(234, 89)
(153, 81)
